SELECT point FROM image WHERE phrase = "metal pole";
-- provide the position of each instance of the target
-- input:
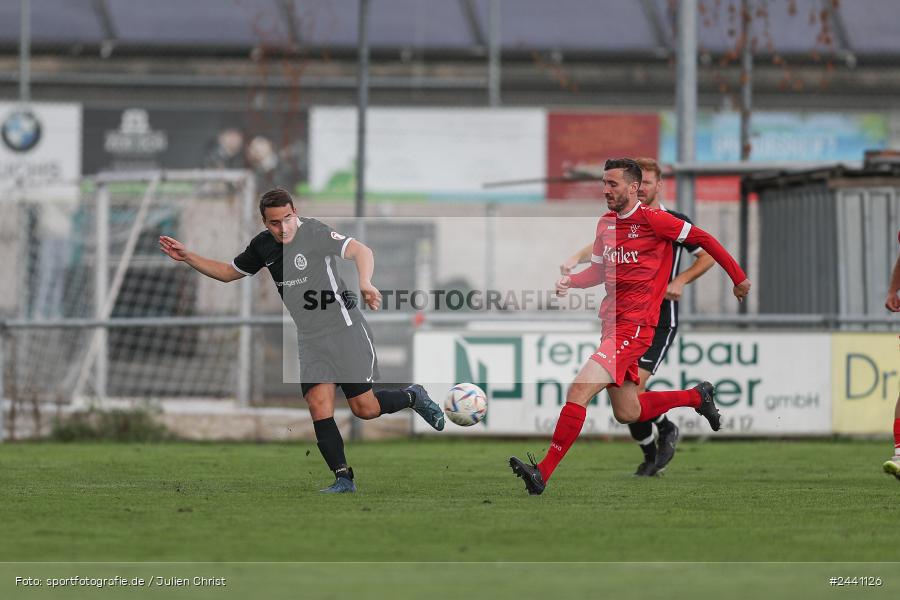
(362, 104)
(686, 108)
(494, 53)
(101, 287)
(746, 147)
(246, 332)
(2, 394)
(490, 255)
(686, 100)
(25, 53)
(746, 77)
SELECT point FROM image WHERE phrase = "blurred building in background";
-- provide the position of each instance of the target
(269, 86)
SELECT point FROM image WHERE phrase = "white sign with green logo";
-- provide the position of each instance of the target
(767, 383)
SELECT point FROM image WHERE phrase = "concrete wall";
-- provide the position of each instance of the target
(214, 421)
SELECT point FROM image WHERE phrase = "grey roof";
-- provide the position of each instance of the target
(863, 27)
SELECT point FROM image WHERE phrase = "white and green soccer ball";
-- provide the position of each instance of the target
(465, 404)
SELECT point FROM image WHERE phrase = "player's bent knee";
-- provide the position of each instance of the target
(366, 411)
(626, 415)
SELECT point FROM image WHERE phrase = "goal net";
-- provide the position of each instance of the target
(74, 265)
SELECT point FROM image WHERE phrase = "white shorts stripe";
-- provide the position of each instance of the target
(372, 349)
(665, 349)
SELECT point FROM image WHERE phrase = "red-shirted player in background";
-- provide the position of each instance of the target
(893, 304)
(632, 244)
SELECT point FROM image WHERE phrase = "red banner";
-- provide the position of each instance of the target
(585, 140)
(708, 188)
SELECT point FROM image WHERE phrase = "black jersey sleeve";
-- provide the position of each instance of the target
(692, 248)
(327, 239)
(249, 261)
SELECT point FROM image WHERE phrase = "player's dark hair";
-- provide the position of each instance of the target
(631, 171)
(275, 198)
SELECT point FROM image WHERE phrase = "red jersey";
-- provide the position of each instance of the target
(632, 255)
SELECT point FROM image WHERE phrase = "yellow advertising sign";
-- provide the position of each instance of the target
(865, 371)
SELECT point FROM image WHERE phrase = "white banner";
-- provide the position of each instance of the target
(40, 148)
(430, 152)
(766, 383)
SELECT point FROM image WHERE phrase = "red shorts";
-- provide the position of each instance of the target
(620, 348)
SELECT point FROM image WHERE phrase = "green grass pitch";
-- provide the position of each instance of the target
(448, 515)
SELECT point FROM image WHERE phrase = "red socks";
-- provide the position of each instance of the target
(896, 437)
(571, 419)
(654, 404)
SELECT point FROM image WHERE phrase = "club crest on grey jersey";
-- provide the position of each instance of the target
(305, 273)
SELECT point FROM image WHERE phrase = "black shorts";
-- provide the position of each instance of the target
(346, 358)
(656, 353)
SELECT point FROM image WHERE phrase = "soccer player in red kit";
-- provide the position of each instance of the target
(892, 303)
(632, 245)
(657, 453)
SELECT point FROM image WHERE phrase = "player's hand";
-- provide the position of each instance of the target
(172, 248)
(563, 285)
(674, 290)
(351, 300)
(371, 295)
(566, 267)
(893, 302)
(741, 290)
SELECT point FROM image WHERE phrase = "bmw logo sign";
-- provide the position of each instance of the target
(21, 131)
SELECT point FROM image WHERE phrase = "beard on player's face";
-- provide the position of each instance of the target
(617, 200)
(649, 187)
(647, 195)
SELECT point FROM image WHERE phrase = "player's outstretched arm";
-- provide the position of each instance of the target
(364, 258)
(703, 262)
(582, 256)
(893, 298)
(674, 229)
(211, 268)
(696, 236)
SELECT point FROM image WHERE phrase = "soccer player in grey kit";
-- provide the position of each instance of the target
(335, 342)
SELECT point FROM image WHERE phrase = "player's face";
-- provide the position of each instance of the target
(616, 189)
(281, 221)
(649, 189)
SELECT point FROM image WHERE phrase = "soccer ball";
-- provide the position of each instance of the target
(465, 404)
